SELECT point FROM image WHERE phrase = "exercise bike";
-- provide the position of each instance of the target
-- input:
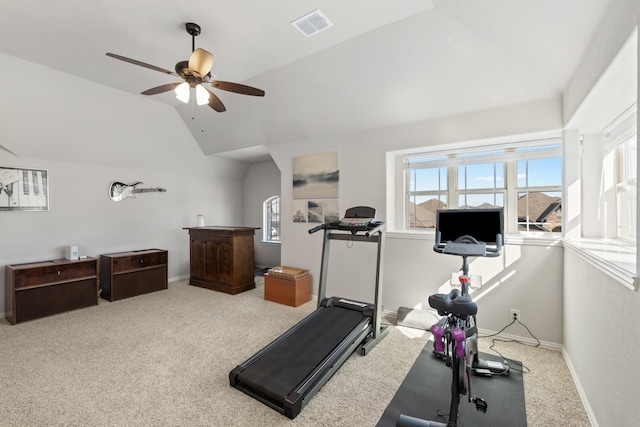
(456, 334)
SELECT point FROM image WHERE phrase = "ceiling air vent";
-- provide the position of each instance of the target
(312, 23)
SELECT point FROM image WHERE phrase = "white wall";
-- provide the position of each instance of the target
(600, 314)
(618, 22)
(411, 269)
(527, 277)
(82, 214)
(261, 182)
(85, 142)
(601, 340)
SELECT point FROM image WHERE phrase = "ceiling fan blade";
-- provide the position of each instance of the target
(215, 103)
(237, 88)
(141, 64)
(200, 62)
(161, 89)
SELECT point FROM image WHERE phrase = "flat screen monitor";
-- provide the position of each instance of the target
(482, 224)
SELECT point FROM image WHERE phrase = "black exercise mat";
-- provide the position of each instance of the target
(427, 389)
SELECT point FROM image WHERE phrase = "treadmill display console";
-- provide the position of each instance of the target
(359, 216)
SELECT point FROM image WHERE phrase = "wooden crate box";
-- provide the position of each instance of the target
(293, 292)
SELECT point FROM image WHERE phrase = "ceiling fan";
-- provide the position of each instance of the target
(196, 72)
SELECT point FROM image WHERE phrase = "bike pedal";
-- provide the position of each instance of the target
(440, 354)
(481, 404)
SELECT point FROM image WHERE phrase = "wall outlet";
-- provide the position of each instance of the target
(515, 314)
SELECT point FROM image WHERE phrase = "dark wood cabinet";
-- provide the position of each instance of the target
(45, 288)
(128, 274)
(221, 258)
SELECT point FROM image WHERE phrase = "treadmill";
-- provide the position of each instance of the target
(286, 373)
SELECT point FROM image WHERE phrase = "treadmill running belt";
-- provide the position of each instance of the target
(280, 370)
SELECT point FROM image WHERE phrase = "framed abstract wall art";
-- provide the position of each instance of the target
(24, 189)
(316, 176)
(315, 211)
(316, 179)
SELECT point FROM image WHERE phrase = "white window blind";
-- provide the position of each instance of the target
(621, 129)
(535, 149)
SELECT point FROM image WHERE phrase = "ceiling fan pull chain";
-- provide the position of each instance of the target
(193, 107)
(201, 118)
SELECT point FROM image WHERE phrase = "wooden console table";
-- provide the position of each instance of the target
(128, 274)
(221, 258)
(44, 288)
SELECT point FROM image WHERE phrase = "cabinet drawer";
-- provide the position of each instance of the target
(128, 263)
(138, 282)
(53, 273)
(48, 300)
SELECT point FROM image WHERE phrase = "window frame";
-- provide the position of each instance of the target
(620, 136)
(507, 153)
(268, 221)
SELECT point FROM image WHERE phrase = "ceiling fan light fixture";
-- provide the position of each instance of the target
(194, 72)
(202, 95)
(200, 62)
(182, 92)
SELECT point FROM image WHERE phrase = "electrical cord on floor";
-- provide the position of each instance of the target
(494, 340)
(444, 416)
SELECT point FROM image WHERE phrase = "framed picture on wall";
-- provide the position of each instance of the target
(316, 176)
(24, 189)
(315, 211)
(316, 179)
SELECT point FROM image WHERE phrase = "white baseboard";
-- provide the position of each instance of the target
(581, 393)
(390, 314)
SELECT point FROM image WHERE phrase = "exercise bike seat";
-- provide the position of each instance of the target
(453, 303)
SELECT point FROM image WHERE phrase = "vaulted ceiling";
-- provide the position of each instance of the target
(382, 63)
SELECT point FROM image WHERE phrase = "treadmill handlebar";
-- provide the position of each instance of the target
(376, 228)
(318, 228)
(369, 229)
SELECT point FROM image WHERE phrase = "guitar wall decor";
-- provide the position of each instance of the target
(119, 191)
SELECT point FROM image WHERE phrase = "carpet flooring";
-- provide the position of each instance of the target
(163, 359)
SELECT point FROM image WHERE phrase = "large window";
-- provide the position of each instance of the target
(539, 194)
(626, 189)
(271, 219)
(622, 144)
(523, 178)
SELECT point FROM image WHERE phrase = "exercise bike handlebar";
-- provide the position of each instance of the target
(495, 251)
(468, 246)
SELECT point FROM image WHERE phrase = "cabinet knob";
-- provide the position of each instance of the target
(58, 272)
